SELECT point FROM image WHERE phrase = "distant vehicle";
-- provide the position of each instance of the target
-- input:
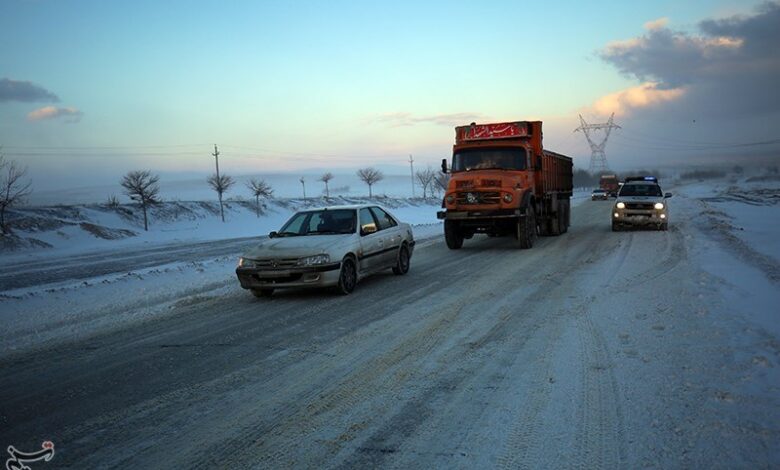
(610, 184)
(504, 183)
(599, 194)
(331, 246)
(641, 202)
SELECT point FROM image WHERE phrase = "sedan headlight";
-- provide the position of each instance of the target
(620, 205)
(314, 260)
(659, 205)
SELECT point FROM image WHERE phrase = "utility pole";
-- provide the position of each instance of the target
(216, 159)
(303, 183)
(219, 182)
(411, 165)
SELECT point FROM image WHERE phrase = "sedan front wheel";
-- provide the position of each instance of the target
(347, 277)
(402, 265)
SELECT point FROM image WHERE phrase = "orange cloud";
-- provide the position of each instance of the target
(53, 112)
(656, 24)
(641, 96)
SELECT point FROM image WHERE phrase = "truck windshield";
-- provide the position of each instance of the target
(483, 159)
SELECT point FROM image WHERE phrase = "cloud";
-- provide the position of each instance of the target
(730, 67)
(15, 90)
(641, 96)
(71, 115)
(656, 24)
(401, 119)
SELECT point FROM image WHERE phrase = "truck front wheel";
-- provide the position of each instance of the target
(526, 230)
(452, 235)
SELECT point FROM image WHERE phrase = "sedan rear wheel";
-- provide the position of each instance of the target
(402, 265)
(347, 277)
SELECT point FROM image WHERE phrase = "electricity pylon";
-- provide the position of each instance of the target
(598, 158)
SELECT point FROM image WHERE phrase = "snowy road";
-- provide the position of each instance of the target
(38, 272)
(592, 350)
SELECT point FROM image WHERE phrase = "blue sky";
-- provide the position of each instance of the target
(293, 85)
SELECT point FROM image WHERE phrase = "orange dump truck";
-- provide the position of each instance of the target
(504, 183)
(610, 184)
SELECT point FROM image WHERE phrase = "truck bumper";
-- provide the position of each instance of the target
(477, 214)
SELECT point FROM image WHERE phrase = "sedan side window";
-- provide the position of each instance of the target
(385, 221)
(368, 224)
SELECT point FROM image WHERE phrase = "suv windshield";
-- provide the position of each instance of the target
(483, 159)
(651, 190)
(324, 222)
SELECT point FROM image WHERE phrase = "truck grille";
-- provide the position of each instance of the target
(640, 205)
(475, 197)
(490, 183)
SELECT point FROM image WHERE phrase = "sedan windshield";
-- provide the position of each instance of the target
(483, 159)
(651, 190)
(324, 222)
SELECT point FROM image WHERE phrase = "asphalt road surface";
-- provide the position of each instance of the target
(588, 351)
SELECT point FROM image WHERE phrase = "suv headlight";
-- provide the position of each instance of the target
(620, 205)
(245, 263)
(314, 260)
(659, 205)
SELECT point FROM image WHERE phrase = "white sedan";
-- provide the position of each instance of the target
(331, 246)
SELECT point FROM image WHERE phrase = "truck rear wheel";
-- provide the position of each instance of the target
(526, 230)
(452, 235)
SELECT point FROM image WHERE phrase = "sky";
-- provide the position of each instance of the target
(92, 89)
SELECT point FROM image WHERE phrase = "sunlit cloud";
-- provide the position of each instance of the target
(402, 119)
(642, 96)
(656, 24)
(71, 115)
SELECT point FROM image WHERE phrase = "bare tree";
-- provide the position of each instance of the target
(13, 187)
(370, 176)
(259, 188)
(425, 179)
(325, 178)
(142, 186)
(221, 184)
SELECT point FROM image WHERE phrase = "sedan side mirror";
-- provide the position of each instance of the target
(272, 235)
(668, 195)
(444, 165)
(368, 229)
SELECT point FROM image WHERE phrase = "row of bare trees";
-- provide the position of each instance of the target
(143, 187)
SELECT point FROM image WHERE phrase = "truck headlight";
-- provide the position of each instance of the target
(659, 205)
(507, 197)
(620, 205)
(314, 260)
(450, 199)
